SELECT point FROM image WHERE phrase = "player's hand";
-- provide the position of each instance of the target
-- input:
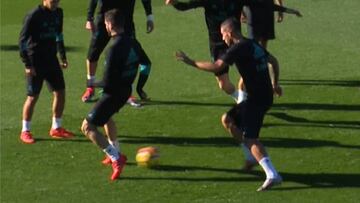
(149, 26)
(297, 13)
(90, 26)
(280, 17)
(169, 2)
(277, 90)
(30, 71)
(64, 64)
(181, 56)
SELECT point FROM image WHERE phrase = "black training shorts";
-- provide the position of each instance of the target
(260, 23)
(248, 117)
(107, 106)
(53, 76)
(99, 40)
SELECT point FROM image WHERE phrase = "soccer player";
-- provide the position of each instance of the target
(40, 39)
(122, 62)
(100, 39)
(244, 120)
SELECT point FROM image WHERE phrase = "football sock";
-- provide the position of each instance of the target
(112, 152)
(115, 144)
(269, 169)
(90, 80)
(247, 153)
(235, 95)
(143, 76)
(25, 125)
(56, 123)
(242, 95)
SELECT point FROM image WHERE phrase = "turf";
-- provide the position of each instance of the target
(312, 132)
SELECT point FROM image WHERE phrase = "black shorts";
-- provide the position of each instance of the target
(54, 78)
(107, 106)
(260, 23)
(248, 118)
(216, 51)
(99, 40)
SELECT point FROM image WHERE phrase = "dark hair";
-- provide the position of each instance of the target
(115, 17)
(231, 24)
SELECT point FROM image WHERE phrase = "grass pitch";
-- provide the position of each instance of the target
(312, 132)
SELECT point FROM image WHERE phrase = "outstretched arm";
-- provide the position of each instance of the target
(183, 6)
(202, 65)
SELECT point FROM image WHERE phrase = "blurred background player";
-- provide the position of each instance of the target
(245, 119)
(40, 39)
(260, 20)
(100, 39)
(122, 62)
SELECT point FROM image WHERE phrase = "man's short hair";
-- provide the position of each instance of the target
(115, 17)
(232, 25)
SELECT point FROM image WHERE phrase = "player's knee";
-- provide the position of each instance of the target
(32, 99)
(226, 86)
(226, 121)
(87, 128)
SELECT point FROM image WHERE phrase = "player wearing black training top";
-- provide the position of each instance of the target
(100, 39)
(40, 39)
(260, 20)
(215, 13)
(122, 63)
(244, 120)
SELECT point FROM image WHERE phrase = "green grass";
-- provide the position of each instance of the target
(312, 132)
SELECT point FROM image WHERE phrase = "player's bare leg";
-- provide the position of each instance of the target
(57, 131)
(118, 160)
(111, 133)
(259, 152)
(28, 110)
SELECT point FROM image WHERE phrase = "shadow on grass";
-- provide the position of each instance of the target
(280, 106)
(342, 83)
(309, 180)
(4, 47)
(304, 122)
(229, 142)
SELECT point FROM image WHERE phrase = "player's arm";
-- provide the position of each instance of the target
(280, 16)
(60, 41)
(286, 10)
(149, 15)
(90, 15)
(183, 6)
(202, 65)
(24, 47)
(274, 72)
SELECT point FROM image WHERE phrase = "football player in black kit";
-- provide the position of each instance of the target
(216, 12)
(40, 39)
(245, 119)
(122, 62)
(100, 39)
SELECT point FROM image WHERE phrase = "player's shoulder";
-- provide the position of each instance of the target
(35, 11)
